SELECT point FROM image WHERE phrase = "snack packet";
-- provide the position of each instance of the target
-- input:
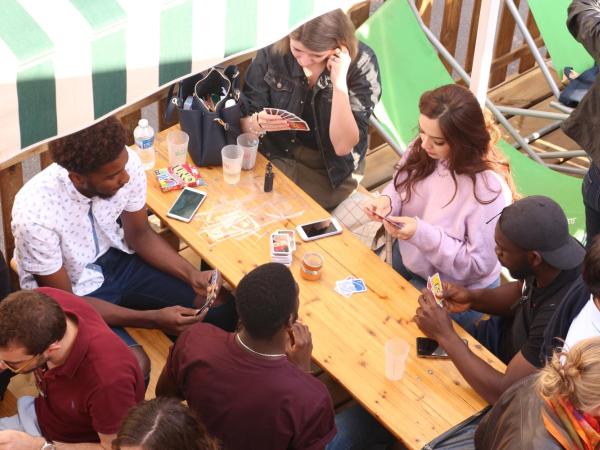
(178, 177)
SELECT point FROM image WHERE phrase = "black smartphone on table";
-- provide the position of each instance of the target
(429, 348)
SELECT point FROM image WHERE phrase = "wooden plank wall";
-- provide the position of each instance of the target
(456, 11)
(11, 172)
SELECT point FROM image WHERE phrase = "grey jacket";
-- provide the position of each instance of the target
(583, 126)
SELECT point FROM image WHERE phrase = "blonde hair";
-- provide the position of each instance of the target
(326, 32)
(496, 155)
(574, 375)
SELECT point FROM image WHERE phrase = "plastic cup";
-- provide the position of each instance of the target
(177, 143)
(232, 157)
(396, 352)
(249, 143)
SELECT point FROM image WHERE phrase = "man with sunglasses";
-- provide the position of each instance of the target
(86, 376)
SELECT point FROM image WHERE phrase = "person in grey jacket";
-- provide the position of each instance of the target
(582, 126)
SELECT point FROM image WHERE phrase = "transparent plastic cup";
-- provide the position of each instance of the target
(232, 157)
(177, 143)
(249, 143)
(396, 353)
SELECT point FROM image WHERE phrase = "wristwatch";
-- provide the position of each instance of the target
(49, 445)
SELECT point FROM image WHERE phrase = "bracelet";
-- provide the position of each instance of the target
(259, 133)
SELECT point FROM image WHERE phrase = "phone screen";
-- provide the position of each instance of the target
(187, 203)
(319, 228)
(430, 348)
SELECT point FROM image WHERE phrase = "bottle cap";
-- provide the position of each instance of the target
(143, 123)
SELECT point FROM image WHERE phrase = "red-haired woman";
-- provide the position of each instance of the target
(449, 188)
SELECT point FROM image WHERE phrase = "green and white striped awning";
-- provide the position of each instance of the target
(67, 63)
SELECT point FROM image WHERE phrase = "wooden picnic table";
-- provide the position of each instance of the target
(348, 333)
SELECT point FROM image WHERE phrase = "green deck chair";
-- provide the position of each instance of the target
(564, 50)
(409, 66)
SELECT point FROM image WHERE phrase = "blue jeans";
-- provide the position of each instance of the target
(358, 430)
(590, 189)
(464, 318)
(132, 283)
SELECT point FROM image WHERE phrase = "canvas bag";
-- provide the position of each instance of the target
(209, 130)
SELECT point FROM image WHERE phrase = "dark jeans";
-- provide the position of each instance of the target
(591, 200)
(488, 333)
(5, 289)
(132, 283)
(358, 430)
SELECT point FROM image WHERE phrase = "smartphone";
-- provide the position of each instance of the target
(210, 298)
(187, 204)
(429, 348)
(319, 229)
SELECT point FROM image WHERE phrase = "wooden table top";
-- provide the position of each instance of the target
(348, 333)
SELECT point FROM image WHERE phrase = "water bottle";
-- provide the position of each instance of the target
(144, 141)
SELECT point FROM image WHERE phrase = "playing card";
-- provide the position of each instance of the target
(345, 294)
(280, 245)
(350, 285)
(291, 234)
(436, 287)
(359, 285)
(287, 115)
(298, 126)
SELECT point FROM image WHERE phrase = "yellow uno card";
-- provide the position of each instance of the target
(436, 287)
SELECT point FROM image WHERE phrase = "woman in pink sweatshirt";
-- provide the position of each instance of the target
(449, 188)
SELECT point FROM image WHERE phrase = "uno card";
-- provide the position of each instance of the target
(291, 234)
(359, 285)
(436, 287)
(298, 125)
(280, 244)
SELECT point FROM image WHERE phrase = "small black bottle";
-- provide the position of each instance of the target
(269, 178)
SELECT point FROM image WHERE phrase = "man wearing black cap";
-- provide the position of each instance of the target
(533, 243)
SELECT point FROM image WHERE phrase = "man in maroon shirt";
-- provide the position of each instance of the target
(253, 388)
(86, 376)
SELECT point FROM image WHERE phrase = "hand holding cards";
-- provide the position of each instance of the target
(211, 292)
(294, 122)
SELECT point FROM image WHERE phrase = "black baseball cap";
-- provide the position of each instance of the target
(538, 223)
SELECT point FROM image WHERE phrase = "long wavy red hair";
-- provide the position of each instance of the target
(470, 135)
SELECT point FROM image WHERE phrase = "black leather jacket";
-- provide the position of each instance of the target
(277, 81)
(583, 124)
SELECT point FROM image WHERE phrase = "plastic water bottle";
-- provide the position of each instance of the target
(144, 141)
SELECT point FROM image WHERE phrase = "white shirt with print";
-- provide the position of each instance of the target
(585, 325)
(52, 227)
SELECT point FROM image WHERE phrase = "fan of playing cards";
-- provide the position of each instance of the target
(283, 244)
(295, 122)
(350, 286)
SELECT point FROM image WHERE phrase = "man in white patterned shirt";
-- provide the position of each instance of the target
(65, 221)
